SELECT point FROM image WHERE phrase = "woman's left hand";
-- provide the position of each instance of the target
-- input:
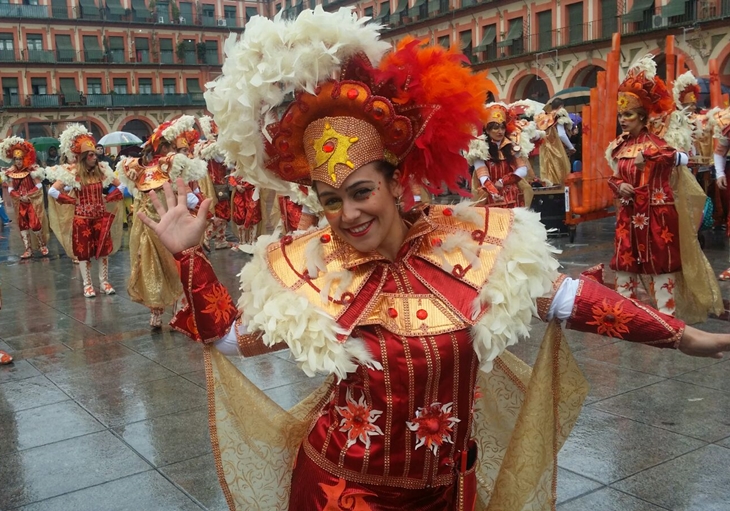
(698, 343)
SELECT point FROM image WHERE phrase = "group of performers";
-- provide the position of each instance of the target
(409, 310)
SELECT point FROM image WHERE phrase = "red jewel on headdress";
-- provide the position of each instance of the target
(436, 242)
(328, 146)
(287, 240)
(325, 238)
(352, 93)
(284, 145)
(392, 313)
(477, 235)
(421, 314)
(378, 113)
(448, 212)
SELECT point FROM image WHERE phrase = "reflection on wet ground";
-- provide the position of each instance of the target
(99, 413)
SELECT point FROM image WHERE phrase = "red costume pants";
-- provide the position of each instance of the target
(91, 237)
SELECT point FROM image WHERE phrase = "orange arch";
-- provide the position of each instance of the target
(149, 122)
(573, 75)
(722, 59)
(521, 79)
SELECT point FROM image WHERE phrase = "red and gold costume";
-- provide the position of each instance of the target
(719, 121)
(421, 386)
(94, 228)
(246, 208)
(27, 193)
(502, 163)
(154, 279)
(650, 240)
(554, 159)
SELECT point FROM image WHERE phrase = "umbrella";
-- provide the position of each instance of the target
(119, 138)
(44, 143)
(574, 96)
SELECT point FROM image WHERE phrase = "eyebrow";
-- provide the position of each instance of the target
(354, 185)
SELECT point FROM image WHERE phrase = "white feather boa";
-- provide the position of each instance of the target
(478, 150)
(563, 118)
(523, 272)
(680, 132)
(190, 169)
(284, 315)
(210, 150)
(67, 174)
(38, 172)
(272, 59)
(206, 126)
(714, 123)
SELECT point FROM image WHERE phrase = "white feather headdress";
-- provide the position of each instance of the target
(178, 127)
(67, 138)
(206, 126)
(272, 60)
(682, 82)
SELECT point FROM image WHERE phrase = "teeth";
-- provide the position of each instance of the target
(357, 230)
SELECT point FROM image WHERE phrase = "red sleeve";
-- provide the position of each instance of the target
(614, 183)
(210, 310)
(602, 311)
(114, 196)
(511, 179)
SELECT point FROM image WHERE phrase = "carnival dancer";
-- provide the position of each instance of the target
(556, 148)
(246, 209)
(26, 189)
(218, 173)
(154, 279)
(407, 313)
(650, 241)
(499, 157)
(719, 121)
(92, 223)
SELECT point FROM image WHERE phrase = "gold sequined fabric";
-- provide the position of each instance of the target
(697, 292)
(60, 218)
(554, 161)
(154, 280)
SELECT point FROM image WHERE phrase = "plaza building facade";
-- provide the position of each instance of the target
(111, 64)
(535, 49)
(132, 64)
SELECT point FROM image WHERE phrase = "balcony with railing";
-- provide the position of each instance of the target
(112, 57)
(113, 12)
(74, 99)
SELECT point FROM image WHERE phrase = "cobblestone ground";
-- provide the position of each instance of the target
(98, 413)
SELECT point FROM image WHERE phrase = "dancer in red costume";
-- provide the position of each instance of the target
(649, 241)
(499, 157)
(407, 312)
(246, 207)
(719, 119)
(92, 223)
(26, 190)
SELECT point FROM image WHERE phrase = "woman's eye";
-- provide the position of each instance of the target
(363, 193)
(332, 202)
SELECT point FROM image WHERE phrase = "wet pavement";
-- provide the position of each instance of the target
(100, 413)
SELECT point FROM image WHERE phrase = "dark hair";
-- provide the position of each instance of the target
(98, 145)
(496, 125)
(557, 103)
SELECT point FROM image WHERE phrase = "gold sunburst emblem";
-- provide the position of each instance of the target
(332, 148)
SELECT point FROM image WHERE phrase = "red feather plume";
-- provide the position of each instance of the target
(436, 89)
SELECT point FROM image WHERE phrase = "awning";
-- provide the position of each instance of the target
(10, 83)
(141, 43)
(70, 92)
(416, 9)
(140, 6)
(116, 43)
(402, 6)
(92, 49)
(465, 42)
(490, 34)
(115, 7)
(193, 85)
(165, 44)
(674, 8)
(90, 6)
(383, 15)
(637, 11)
(63, 42)
(515, 32)
(434, 6)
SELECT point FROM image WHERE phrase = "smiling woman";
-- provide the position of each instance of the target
(409, 313)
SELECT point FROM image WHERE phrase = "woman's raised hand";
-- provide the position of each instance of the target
(177, 229)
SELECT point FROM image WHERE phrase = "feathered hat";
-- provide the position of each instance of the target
(416, 110)
(75, 141)
(16, 147)
(642, 88)
(182, 133)
(208, 127)
(498, 113)
(686, 89)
